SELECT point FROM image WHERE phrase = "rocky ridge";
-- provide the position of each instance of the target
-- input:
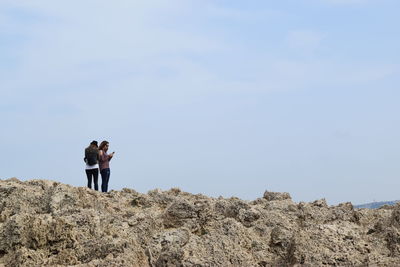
(46, 223)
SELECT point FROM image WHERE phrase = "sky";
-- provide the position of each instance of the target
(218, 97)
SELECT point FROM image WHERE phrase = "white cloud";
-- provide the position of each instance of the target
(85, 40)
(144, 46)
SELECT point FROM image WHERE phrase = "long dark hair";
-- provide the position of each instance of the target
(103, 144)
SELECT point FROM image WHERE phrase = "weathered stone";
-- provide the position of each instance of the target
(276, 196)
(45, 223)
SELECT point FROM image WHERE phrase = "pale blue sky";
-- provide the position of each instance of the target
(219, 97)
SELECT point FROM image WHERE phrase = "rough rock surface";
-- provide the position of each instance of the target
(46, 223)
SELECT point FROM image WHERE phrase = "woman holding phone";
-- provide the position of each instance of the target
(104, 162)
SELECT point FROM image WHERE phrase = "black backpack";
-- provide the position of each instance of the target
(91, 156)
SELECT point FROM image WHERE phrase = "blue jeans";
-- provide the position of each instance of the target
(105, 177)
(95, 174)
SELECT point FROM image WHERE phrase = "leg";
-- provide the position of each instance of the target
(89, 178)
(96, 179)
(103, 177)
(108, 179)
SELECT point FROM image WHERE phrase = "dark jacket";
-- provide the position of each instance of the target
(91, 155)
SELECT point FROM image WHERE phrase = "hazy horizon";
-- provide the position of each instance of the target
(225, 98)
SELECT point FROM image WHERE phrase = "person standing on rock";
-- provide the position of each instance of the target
(92, 165)
(105, 165)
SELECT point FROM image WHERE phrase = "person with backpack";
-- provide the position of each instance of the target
(104, 160)
(92, 165)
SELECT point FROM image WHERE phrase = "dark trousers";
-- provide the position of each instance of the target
(105, 177)
(95, 174)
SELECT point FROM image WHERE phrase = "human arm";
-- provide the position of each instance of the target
(101, 155)
(85, 158)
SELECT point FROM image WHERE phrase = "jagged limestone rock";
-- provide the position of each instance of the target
(46, 223)
(276, 196)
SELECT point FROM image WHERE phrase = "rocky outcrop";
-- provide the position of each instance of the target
(45, 223)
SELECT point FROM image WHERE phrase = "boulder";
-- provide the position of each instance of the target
(46, 223)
